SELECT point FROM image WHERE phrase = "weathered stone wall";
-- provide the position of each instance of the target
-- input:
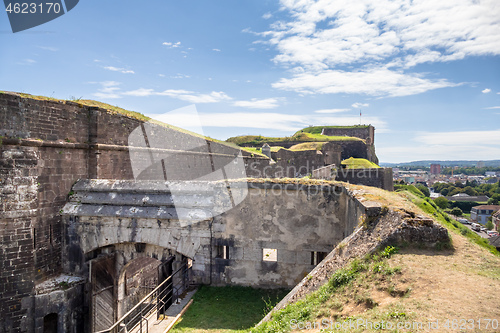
(45, 146)
(357, 149)
(363, 132)
(377, 177)
(19, 209)
(295, 220)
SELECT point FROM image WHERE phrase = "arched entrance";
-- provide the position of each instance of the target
(121, 275)
(138, 278)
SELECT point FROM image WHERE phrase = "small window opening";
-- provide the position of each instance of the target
(222, 251)
(317, 257)
(269, 254)
(140, 247)
(50, 323)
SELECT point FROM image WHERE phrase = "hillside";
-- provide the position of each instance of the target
(358, 163)
(412, 283)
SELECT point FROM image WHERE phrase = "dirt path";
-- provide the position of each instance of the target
(458, 285)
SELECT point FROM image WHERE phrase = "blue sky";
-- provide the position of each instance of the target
(426, 74)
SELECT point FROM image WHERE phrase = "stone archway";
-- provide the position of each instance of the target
(122, 274)
(136, 279)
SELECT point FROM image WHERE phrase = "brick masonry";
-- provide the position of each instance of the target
(45, 147)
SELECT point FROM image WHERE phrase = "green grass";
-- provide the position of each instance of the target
(235, 309)
(259, 140)
(308, 146)
(358, 163)
(319, 129)
(239, 309)
(429, 207)
(320, 303)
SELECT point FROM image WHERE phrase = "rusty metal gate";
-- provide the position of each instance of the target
(103, 283)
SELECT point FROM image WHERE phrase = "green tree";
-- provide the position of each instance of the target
(456, 211)
(470, 191)
(424, 190)
(445, 191)
(442, 202)
(489, 225)
(494, 199)
(455, 190)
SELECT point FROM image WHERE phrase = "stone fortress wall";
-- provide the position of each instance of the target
(45, 147)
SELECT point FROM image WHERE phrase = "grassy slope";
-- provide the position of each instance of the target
(312, 137)
(319, 129)
(308, 146)
(416, 285)
(358, 163)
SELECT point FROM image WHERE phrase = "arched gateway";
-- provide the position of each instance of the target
(126, 236)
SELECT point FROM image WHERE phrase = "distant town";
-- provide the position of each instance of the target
(470, 193)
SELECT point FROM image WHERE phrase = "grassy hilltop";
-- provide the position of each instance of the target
(308, 134)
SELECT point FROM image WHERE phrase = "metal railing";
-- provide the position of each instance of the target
(158, 300)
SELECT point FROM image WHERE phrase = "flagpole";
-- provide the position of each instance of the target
(359, 116)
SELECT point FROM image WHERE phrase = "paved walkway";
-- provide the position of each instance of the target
(161, 325)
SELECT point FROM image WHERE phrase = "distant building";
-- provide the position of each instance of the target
(466, 197)
(409, 180)
(492, 180)
(435, 169)
(496, 220)
(490, 174)
(480, 164)
(481, 213)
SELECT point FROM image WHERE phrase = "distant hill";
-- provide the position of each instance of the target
(427, 163)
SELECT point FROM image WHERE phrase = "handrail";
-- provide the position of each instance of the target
(143, 300)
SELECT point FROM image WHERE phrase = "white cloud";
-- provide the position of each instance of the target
(276, 121)
(331, 110)
(492, 107)
(141, 92)
(464, 138)
(172, 45)
(180, 76)
(382, 36)
(267, 16)
(435, 152)
(26, 62)
(485, 91)
(375, 82)
(195, 98)
(184, 95)
(121, 70)
(360, 105)
(49, 48)
(255, 103)
(216, 50)
(109, 89)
